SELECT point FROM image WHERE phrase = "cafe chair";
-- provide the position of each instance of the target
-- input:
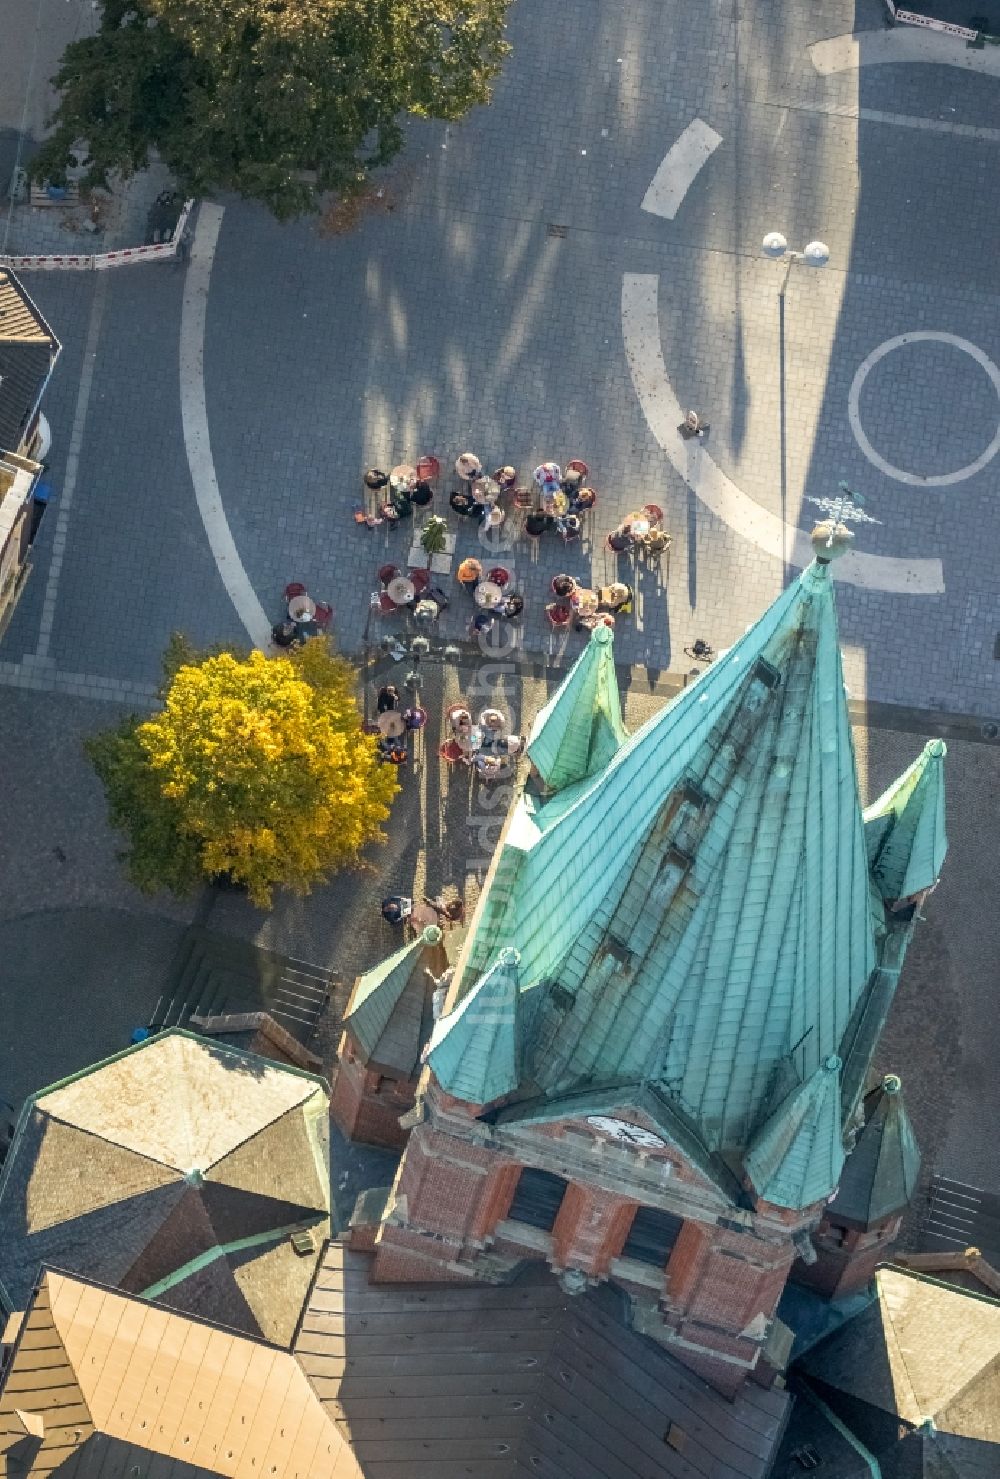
(293, 589)
(323, 615)
(387, 573)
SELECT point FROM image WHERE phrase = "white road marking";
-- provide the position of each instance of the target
(194, 418)
(892, 120)
(900, 44)
(679, 168)
(719, 494)
(65, 503)
(937, 480)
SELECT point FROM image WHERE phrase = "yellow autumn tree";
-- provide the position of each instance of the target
(256, 770)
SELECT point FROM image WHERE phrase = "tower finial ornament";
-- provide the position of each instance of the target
(832, 538)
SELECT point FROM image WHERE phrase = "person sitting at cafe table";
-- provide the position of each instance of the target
(286, 634)
(388, 698)
(469, 574)
(511, 608)
(396, 909)
(615, 597)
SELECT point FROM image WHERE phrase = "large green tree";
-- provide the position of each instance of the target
(279, 100)
(256, 769)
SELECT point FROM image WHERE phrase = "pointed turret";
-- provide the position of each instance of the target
(881, 1172)
(698, 910)
(580, 729)
(796, 1158)
(905, 831)
(475, 1050)
(379, 991)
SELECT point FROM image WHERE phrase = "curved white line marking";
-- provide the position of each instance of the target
(678, 169)
(916, 336)
(900, 44)
(194, 419)
(663, 412)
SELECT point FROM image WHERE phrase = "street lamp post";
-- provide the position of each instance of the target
(816, 254)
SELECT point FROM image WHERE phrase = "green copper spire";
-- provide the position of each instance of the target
(697, 912)
(797, 1157)
(580, 728)
(475, 1050)
(881, 1172)
(378, 992)
(904, 828)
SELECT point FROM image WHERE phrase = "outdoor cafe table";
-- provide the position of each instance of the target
(302, 608)
(584, 601)
(488, 594)
(485, 490)
(638, 524)
(401, 590)
(391, 724)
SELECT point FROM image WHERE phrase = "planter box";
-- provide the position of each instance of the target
(418, 559)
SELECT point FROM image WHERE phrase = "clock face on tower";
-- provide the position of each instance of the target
(625, 1133)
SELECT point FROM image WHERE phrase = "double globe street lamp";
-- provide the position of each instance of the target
(816, 254)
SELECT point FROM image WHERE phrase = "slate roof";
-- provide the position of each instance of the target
(882, 1170)
(177, 1170)
(499, 1382)
(28, 350)
(102, 1385)
(697, 914)
(475, 1052)
(581, 727)
(924, 1356)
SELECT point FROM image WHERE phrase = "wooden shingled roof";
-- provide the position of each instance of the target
(498, 1382)
(102, 1385)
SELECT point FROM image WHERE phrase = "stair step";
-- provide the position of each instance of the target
(214, 974)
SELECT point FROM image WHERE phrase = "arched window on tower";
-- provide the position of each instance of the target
(652, 1236)
(537, 1199)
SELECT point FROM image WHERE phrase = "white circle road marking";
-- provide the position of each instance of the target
(719, 494)
(918, 336)
(194, 422)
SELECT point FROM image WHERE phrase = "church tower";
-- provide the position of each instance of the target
(653, 1055)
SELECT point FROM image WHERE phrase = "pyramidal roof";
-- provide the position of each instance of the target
(176, 1170)
(695, 915)
(475, 1049)
(905, 829)
(921, 1350)
(881, 1172)
(580, 729)
(797, 1156)
(377, 992)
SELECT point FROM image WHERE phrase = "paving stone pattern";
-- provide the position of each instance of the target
(456, 320)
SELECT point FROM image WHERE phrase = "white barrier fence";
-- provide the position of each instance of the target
(912, 18)
(104, 261)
